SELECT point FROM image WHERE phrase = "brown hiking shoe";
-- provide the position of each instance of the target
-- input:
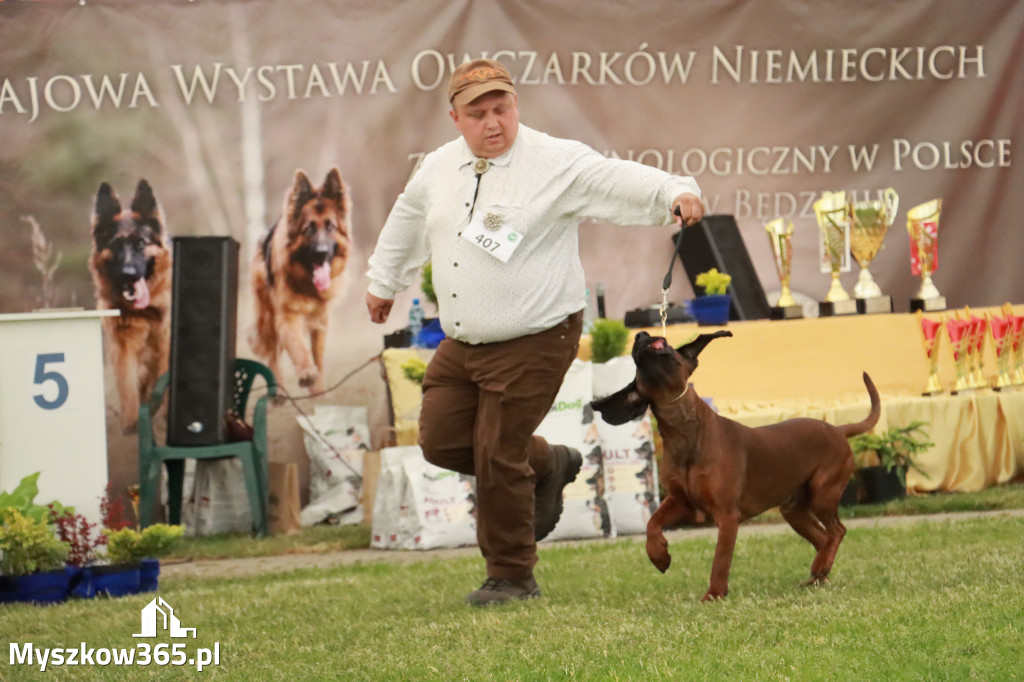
(547, 498)
(498, 590)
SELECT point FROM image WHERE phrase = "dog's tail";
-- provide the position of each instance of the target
(849, 430)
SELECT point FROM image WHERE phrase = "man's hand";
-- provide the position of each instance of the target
(687, 209)
(379, 308)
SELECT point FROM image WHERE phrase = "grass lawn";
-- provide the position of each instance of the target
(934, 600)
(321, 539)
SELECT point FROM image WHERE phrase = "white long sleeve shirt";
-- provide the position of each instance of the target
(542, 187)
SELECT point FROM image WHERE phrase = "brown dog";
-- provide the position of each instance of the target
(731, 472)
(131, 270)
(296, 271)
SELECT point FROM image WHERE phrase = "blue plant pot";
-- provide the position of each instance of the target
(6, 590)
(50, 587)
(711, 310)
(149, 575)
(114, 581)
(431, 335)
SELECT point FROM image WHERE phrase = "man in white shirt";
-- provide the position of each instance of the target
(497, 211)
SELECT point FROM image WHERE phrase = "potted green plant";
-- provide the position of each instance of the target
(23, 497)
(712, 308)
(894, 450)
(432, 334)
(607, 340)
(134, 558)
(32, 565)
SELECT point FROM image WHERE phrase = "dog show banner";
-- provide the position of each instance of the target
(293, 126)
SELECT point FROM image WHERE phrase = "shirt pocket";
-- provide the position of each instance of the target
(505, 214)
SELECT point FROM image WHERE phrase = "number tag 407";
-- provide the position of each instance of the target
(499, 241)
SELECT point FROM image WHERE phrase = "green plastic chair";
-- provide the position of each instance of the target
(252, 453)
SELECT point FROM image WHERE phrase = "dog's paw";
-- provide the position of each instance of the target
(659, 556)
(308, 377)
(815, 582)
(713, 595)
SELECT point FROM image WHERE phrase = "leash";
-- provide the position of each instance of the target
(294, 400)
(667, 282)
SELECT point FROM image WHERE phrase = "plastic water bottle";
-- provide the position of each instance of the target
(415, 323)
(588, 314)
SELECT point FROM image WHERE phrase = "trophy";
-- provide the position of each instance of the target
(930, 338)
(976, 348)
(869, 221)
(959, 339)
(780, 236)
(923, 226)
(1001, 332)
(834, 223)
(1017, 369)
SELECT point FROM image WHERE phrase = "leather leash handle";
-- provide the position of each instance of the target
(667, 282)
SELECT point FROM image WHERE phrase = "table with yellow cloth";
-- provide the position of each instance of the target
(774, 370)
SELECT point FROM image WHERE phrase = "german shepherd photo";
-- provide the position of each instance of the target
(296, 271)
(131, 270)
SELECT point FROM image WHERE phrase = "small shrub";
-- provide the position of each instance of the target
(427, 283)
(23, 499)
(28, 545)
(608, 340)
(414, 369)
(895, 448)
(76, 531)
(714, 282)
(129, 546)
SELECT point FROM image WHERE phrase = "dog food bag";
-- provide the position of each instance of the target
(570, 422)
(609, 377)
(335, 437)
(221, 500)
(631, 472)
(628, 451)
(387, 505)
(441, 507)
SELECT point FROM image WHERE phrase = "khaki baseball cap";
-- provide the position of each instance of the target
(477, 77)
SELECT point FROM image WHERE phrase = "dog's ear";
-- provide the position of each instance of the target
(300, 192)
(334, 189)
(144, 202)
(622, 406)
(104, 212)
(692, 349)
(146, 205)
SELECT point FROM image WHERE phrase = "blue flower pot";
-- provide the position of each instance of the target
(115, 581)
(711, 310)
(431, 335)
(149, 575)
(50, 587)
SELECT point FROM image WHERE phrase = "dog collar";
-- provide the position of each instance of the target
(680, 396)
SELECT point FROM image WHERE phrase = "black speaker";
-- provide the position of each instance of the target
(204, 308)
(715, 242)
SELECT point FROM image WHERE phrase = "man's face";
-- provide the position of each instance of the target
(489, 123)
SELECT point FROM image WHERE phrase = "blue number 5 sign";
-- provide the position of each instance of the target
(43, 375)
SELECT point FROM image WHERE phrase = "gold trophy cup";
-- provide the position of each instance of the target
(923, 226)
(780, 236)
(959, 332)
(930, 337)
(834, 223)
(869, 222)
(979, 326)
(1016, 344)
(1001, 332)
